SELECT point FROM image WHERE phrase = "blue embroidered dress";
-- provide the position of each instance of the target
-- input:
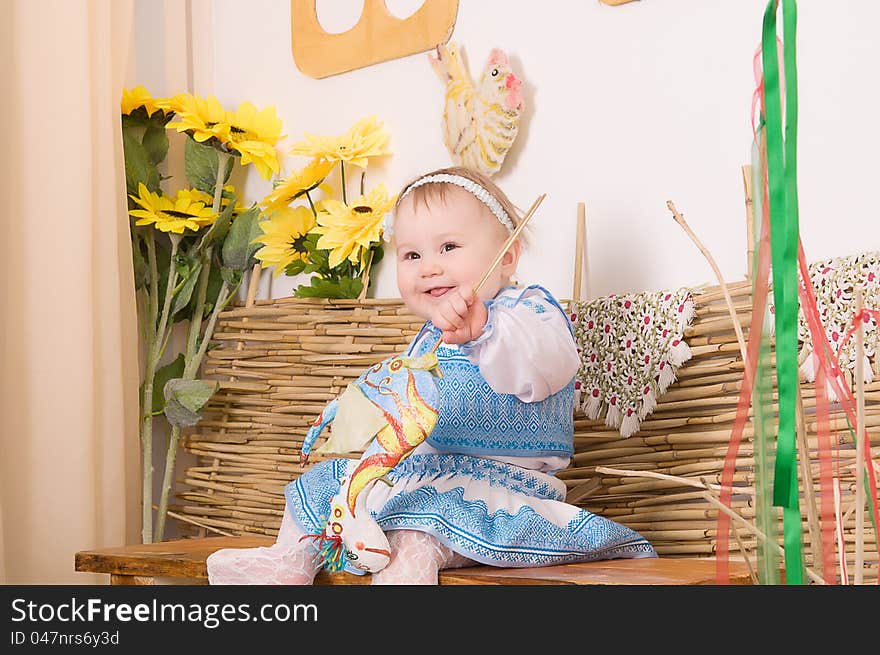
(483, 483)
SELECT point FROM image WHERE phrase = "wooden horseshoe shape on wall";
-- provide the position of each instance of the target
(378, 36)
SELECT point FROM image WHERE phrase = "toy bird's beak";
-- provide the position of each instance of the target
(513, 99)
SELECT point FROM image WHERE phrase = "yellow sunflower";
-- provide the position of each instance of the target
(367, 138)
(139, 97)
(201, 118)
(171, 214)
(346, 230)
(284, 231)
(296, 184)
(253, 134)
(176, 104)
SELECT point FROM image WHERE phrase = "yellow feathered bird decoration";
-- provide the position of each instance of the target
(480, 122)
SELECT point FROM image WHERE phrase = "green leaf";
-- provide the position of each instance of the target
(141, 269)
(184, 400)
(231, 276)
(378, 254)
(183, 296)
(137, 118)
(184, 265)
(138, 167)
(311, 268)
(219, 228)
(201, 163)
(163, 257)
(295, 267)
(215, 281)
(156, 144)
(321, 288)
(239, 247)
(167, 372)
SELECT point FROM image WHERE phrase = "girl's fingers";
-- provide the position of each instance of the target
(458, 304)
(451, 312)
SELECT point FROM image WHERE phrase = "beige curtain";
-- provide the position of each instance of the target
(69, 467)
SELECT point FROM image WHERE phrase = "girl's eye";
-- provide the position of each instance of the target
(411, 255)
(448, 246)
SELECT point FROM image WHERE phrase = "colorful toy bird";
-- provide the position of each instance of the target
(396, 402)
(480, 122)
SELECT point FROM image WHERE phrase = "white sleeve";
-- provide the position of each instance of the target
(526, 348)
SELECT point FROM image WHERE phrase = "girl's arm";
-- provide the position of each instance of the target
(526, 348)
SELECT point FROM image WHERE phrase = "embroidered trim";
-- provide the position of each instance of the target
(520, 537)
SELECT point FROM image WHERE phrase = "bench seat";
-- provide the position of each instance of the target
(184, 559)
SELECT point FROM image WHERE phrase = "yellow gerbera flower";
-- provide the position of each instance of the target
(345, 230)
(296, 184)
(367, 138)
(171, 214)
(201, 118)
(254, 134)
(139, 97)
(284, 231)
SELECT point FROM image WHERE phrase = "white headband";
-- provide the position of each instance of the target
(478, 191)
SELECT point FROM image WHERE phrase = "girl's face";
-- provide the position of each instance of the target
(445, 244)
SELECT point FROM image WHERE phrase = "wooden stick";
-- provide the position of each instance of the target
(860, 440)
(187, 519)
(503, 250)
(838, 533)
(745, 553)
(754, 530)
(658, 476)
(707, 494)
(509, 241)
(580, 231)
(736, 326)
(807, 479)
(365, 279)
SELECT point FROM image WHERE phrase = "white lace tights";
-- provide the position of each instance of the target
(416, 559)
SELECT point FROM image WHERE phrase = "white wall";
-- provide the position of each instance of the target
(628, 107)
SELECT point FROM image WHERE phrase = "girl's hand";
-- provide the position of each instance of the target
(461, 316)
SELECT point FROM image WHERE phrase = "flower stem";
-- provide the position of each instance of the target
(342, 175)
(189, 373)
(311, 204)
(152, 359)
(169, 293)
(146, 423)
(192, 358)
(193, 363)
(195, 324)
(155, 338)
(170, 459)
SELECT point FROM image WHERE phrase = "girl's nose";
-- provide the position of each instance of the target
(430, 267)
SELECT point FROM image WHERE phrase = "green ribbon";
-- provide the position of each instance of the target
(784, 238)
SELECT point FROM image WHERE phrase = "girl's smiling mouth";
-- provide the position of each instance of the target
(436, 292)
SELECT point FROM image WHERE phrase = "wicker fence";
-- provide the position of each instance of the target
(280, 361)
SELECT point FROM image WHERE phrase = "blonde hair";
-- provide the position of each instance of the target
(424, 193)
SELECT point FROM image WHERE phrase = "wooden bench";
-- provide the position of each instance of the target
(185, 560)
